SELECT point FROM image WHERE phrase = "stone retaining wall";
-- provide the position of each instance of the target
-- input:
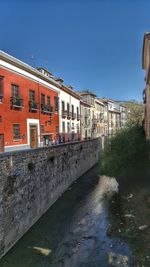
(32, 180)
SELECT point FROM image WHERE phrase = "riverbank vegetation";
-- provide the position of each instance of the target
(124, 151)
(126, 157)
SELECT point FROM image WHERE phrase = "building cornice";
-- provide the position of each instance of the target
(17, 63)
(82, 93)
(23, 66)
(114, 111)
(85, 104)
(70, 92)
(99, 102)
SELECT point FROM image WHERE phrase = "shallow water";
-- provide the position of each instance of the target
(73, 231)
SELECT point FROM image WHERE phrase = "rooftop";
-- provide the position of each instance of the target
(87, 92)
(48, 78)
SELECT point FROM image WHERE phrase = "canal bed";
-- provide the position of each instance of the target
(72, 233)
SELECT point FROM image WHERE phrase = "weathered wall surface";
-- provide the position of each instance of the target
(32, 180)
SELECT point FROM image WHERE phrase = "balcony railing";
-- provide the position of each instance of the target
(78, 117)
(16, 102)
(86, 115)
(46, 109)
(68, 114)
(95, 121)
(94, 125)
(33, 106)
(101, 117)
(1, 97)
(73, 116)
(64, 113)
(87, 124)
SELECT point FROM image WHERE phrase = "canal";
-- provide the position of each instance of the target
(73, 232)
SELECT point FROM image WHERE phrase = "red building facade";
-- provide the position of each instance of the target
(29, 113)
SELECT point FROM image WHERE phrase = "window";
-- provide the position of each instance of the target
(63, 105)
(42, 129)
(86, 121)
(63, 126)
(68, 127)
(57, 132)
(92, 114)
(48, 100)
(1, 88)
(92, 101)
(0, 118)
(42, 99)
(32, 95)
(68, 109)
(72, 109)
(57, 129)
(77, 111)
(56, 100)
(16, 131)
(14, 90)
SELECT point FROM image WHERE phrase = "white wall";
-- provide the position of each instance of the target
(67, 98)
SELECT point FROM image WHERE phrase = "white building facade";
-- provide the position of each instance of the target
(69, 110)
(99, 118)
(114, 117)
(86, 120)
(69, 115)
(123, 115)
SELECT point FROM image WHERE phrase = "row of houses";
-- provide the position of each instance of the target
(100, 116)
(37, 109)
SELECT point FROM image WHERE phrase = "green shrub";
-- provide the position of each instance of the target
(124, 150)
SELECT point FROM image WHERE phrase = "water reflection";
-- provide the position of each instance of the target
(42, 251)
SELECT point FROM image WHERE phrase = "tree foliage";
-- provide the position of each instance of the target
(124, 150)
(135, 113)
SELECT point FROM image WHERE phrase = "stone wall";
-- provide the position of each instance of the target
(32, 180)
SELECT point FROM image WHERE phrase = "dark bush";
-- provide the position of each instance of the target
(126, 149)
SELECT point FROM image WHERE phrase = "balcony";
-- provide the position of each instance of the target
(86, 115)
(64, 113)
(94, 126)
(68, 114)
(95, 121)
(1, 97)
(73, 116)
(101, 117)
(33, 106)
(78, 117)
(16, 102)
(46, 109)
(87, 124)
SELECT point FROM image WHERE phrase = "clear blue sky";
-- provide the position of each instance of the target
(92, 44)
